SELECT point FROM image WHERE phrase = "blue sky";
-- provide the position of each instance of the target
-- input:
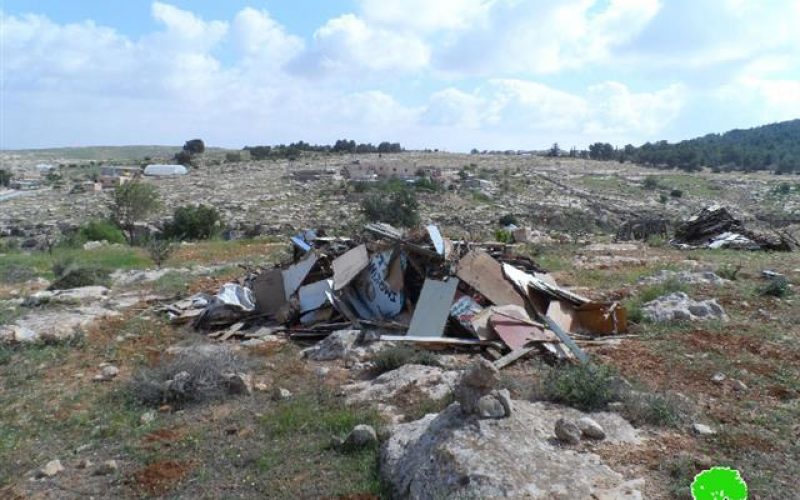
(450, 74)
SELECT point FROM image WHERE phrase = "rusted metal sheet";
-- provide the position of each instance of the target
(348, 265)
(480, 271)
(602, 318)
(433, 307)
(516, 333)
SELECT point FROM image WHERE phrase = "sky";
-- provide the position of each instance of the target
(446, 74)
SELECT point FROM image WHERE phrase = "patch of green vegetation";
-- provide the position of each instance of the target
(39, 264)
(304, 426)
(68, 274)
(173, 283)
(394, 357)
(101, 230)
(776, 287)
(728, 271)
(481, 197)
(585, 387)
(663, 410)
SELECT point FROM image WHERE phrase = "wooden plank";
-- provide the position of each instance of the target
(564, 315)
(268, 291)
(512, 356)
(348, 265)
(294, 275)
(434, 340)
(433, 308)
(480, 271)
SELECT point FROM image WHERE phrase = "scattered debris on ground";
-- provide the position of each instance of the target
(715, 227)
(416, 287)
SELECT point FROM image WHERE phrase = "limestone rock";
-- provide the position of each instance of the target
(703, 429)
(590, 428)
(475, 390)
(407, 385)
(52, 468)
(279, 394)
(567, 431)
(678, 306)
(106, 468)
(361, 436)
(490, 407)
(334, 346)
(449, 456)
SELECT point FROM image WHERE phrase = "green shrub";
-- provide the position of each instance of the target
(676, 193)
(398, 208)
(5, 177)
(508, 219)
(669, 286)
(99, 230)
(72, 275)
(160, 250)
(777, 287)
(189, 222)
(728, 271)
(394, 357)
(662, 198)
(650, 183)
(503, 236)
(585, 387)
(663, 410)
(233, 157)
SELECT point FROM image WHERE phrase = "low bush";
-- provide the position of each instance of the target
(663, 410)
(190, 222)
(394, 357)
(728, 271)
(503, 236)
(777, 287)
(398, 208)
(650, 183)
(585, 387)
(195, 375)
(99, 230)
(69, 274)
(160, 250)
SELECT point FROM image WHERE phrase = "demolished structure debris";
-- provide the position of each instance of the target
(416, 287)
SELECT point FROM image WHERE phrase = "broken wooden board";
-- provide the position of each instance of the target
(434, 340)
(433, 308)
(564, 315)
(513, 356)
(294, 275)
(436, 238)
(516, 333)
(348, 265)
(269, 293)
(480, 271)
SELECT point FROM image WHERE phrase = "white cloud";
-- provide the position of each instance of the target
(545, 37)
(616, 111)
(348, 43)
(263, 40)
(425, 15)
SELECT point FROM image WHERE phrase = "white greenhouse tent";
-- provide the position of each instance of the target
(164, 170)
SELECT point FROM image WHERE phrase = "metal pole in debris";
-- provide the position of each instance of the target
(566, 339)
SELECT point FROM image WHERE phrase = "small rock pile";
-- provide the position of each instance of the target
(477, 395)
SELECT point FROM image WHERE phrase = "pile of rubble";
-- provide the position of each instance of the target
(715, 227)
(414, 287)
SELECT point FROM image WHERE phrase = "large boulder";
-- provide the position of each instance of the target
(452, 456)
(679, 307)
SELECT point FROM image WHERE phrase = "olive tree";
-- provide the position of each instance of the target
(132, 202)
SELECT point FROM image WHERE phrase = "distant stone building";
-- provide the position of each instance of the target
(112, 176)
(380, 169)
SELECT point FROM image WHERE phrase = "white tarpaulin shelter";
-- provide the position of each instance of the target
(162, 170)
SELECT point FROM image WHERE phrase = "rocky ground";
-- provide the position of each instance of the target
(258, 198)
(457, 429)
(710, 368)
